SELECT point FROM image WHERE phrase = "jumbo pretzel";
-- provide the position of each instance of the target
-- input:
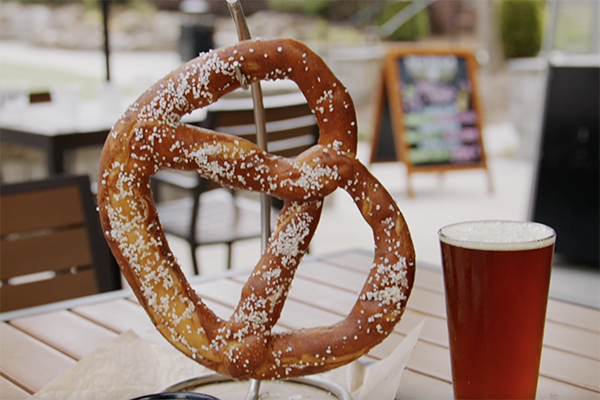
(150, 137)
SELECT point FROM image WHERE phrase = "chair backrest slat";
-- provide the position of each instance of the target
(51, 228)
(37, 210)
(277, 127)
(62, 287)
(246, 116)
(55, 251)
(290, 123)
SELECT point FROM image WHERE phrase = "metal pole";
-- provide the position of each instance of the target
(243, 32)
(259, 117)
(595, 39)
(105, 11)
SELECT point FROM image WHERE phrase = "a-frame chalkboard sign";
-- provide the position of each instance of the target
(428, 113)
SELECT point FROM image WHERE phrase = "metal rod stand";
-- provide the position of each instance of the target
(235, 7)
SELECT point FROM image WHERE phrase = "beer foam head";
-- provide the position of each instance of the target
(498, 235)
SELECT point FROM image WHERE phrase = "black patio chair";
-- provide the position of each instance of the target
(52, 247)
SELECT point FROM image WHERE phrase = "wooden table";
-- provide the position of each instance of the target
(40, 344)
(42, 126)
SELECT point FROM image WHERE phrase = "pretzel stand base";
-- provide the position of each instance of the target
(150, 137)
(212, 384)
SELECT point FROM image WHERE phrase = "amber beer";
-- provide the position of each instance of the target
(497, 277)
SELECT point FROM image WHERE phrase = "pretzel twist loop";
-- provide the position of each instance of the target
(150, 137)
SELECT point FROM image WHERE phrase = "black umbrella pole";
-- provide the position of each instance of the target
(105, 12)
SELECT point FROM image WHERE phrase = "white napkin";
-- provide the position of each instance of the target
(381, 379)
(129, 367)
(124, 368)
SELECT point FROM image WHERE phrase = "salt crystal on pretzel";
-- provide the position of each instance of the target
(150, 137)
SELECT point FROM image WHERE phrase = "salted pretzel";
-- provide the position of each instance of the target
(150, 137)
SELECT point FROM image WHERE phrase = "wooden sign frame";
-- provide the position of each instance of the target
(390, 122)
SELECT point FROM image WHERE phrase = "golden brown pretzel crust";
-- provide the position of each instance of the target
(150, 137)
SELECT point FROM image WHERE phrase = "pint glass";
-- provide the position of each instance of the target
(497, 278)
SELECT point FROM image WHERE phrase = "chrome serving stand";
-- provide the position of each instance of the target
(237, 13)
(190, 384)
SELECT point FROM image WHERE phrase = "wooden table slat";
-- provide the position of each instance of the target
(65, 331)
(432, 359)
(121, 316)
(314, 318)
(29, 362)
(568, 338)
(333, 275)
(429, 279)
(354, 259)
(321, 296)
(571, 368)
(434, 331)
(427, 302)
(549, 388)
(574, 315)
(10, 391)
(412, 384)
(224, 291)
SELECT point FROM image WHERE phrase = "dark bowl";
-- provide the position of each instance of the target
(176, 395)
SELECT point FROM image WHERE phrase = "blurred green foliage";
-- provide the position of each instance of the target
(86, 3)
(348, 11)
(308, 7)
(46, 2)
(414, 29)
(521, 25)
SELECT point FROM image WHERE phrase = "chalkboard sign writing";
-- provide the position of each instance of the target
(430, 96)
(441, 125)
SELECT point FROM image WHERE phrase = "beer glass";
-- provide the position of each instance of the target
(497, 278)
